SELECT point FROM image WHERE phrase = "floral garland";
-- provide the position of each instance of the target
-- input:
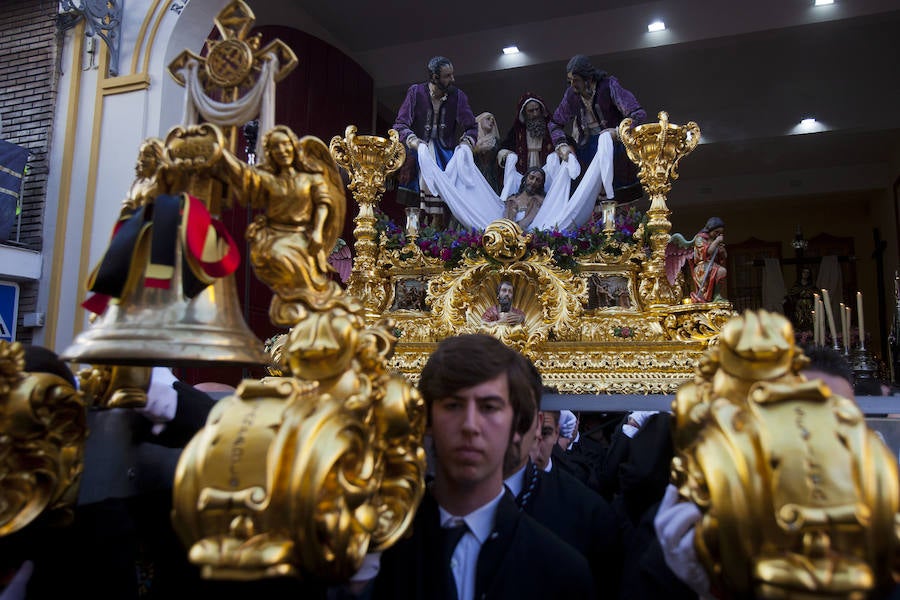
(567, 245)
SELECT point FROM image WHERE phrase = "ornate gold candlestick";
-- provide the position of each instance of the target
(368, 159)
(656, 148)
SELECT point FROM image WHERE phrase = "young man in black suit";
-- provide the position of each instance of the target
(477, 391)
(563, 504)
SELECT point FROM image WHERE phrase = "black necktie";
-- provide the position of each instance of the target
(450, 538)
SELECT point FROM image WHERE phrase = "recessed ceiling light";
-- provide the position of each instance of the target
(823, 2)
(656, 26)
(808, 122)
(511, 50)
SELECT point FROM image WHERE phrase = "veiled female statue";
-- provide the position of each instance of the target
(299, 187)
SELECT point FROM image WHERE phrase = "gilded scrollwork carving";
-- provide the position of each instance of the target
(702, 325)
(43, 429)
(550, 297)
(303, 475)
(798, 498)
(304, 472)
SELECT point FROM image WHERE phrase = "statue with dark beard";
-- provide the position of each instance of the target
(523, 206)
(529, 137)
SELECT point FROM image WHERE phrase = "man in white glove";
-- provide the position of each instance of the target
(162, 399)
(636, 420)
(674, 524)
(568, 428)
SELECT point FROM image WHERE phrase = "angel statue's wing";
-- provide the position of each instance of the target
(678, 251)
(317, 159)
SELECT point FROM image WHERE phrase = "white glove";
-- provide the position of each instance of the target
(162, 398)
(674, 524)
(636, 420)
(18, 585)
(567, 423)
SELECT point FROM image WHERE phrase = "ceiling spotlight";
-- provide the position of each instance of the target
(808, 122)
(511, 50)
(823, 2)
(656, 26)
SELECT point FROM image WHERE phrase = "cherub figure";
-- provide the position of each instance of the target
(706, 257)
(146, 186)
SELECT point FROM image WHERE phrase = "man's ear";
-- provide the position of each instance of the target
(516, 438)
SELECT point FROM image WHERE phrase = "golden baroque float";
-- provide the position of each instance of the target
(644, 341)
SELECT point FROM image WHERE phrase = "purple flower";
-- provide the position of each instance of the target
(446, 254)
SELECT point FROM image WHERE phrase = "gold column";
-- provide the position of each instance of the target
(656, 148)
(368, 159)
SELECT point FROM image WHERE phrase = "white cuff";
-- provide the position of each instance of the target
(162, 397)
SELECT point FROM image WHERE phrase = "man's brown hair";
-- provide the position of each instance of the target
(464, 361)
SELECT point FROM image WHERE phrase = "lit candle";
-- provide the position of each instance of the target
(817, 315)
(828, 310)
(844, 325)
(862, 329)
(847, 327)
(820, 312)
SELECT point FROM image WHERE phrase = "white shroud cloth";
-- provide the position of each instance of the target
(475, 204)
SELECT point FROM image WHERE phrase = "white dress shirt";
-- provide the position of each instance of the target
(465, 557)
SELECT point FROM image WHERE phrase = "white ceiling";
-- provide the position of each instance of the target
(746, 72)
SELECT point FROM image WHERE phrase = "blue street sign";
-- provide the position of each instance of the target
(9, 310)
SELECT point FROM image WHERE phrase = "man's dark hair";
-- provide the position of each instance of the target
(714, 223)
(525, 176)
(436, 63)
(537, 389)
(867, 387)
(828, 360)
(464, 361)
(581, 65)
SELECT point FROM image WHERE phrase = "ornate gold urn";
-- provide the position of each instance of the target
(799, 498)
(368, 159)
(656, 149)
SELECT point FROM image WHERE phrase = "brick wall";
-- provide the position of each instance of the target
(29, 50)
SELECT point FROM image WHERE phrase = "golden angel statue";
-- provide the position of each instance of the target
(299, 187)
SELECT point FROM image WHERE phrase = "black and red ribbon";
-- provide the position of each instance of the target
(208, 251)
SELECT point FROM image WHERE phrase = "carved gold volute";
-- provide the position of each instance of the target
(42, 434)
(799, 498)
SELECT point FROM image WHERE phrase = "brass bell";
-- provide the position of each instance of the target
(168, 296)
(162, 327)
